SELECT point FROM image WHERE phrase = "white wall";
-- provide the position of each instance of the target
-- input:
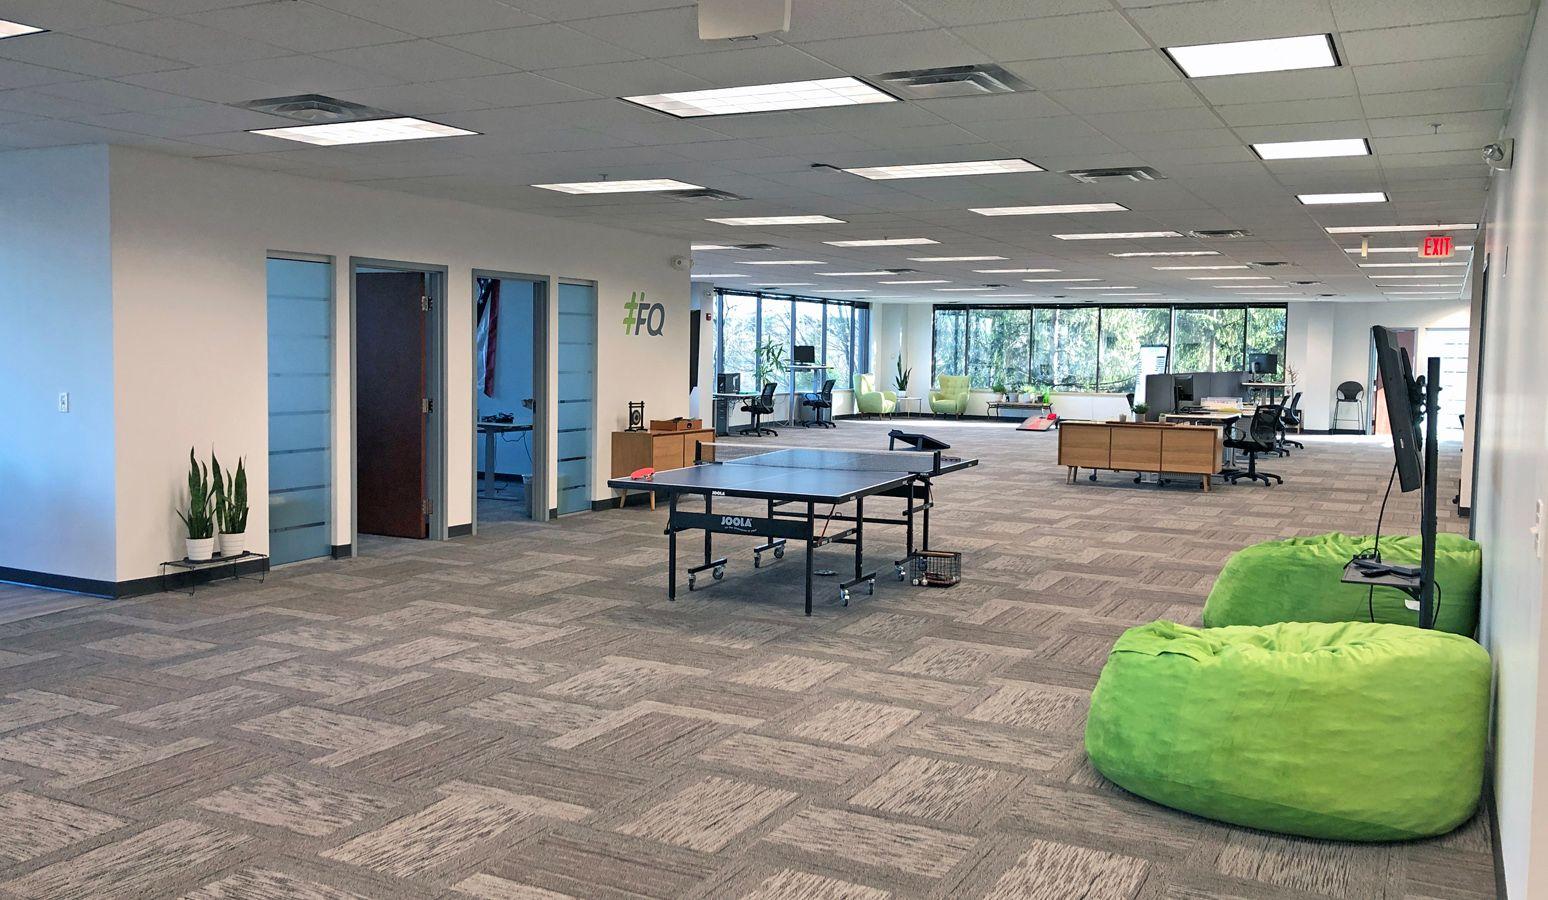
(56, 469)
(1330, 343)
(1512, 448)
(189, 242)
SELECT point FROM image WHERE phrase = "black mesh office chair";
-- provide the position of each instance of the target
(1350, 392)
(817, 401)
(762, 405)
(1290, 418)
(1261, 436)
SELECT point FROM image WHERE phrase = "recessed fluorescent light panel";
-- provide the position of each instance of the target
(1106, 287)
(710, 247)
(945, 170)
(778, 220)
(1412, 265)
(1012, 271)
(783, 262)
(1057, 280)
(918, 281)
(1310, 51)
(783, 283)
(1057, 209)
(1392, 229)
(756, 98)
(882, 242)
(1230, 277)
(953, 258)
(17, 29)
(1117, 235)
(1312, 149)
(1331, 199)
(1139, 253)
(1431, 277)
(717, 275)
(1458, 247)
(1194, 268)
(621, 187)
(877, 272)
(373, 131)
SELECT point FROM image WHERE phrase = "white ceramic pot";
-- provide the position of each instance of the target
(199, 549)
(233, 544)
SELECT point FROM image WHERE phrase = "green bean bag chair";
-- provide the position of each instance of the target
(1297, 580)
(1349, 731)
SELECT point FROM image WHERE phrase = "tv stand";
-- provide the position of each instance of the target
(1404, 578)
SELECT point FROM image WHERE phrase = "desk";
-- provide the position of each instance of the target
(793, 411)
(1140, 447)
(1280, 388)
(722, 414)
(491, 432)
(1218, 419)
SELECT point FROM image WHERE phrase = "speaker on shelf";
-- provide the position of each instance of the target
(636, 415)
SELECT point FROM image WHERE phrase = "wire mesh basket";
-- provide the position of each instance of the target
(935, 568)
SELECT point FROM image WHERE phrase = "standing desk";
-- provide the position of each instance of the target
(491, 432)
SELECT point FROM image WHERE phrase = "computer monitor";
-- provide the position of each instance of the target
(1263, 363)
(1404, 396)
(805, 355)
(1182, 390)
(728, 383)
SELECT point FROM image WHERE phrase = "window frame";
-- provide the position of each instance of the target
(859, 327)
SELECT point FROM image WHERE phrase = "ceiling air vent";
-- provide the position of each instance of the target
(699, 194)
(314, 109)
(1121, 173)
(949, 81)
(1306, 283)
(1273, 264)
(755, 246)
(1220, 234)
(900, 271)
(992, 286)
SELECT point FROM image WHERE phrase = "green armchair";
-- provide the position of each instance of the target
(951, 398)
(869, 400)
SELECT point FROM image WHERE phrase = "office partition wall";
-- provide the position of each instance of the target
(577, 394)
(300, 306)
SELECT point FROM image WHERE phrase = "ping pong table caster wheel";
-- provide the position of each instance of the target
(844, 597)
(902, 575)
(870, 588)
(757, 560)
(691, 580)
(779, 552)
(719, 573)
(918, 582)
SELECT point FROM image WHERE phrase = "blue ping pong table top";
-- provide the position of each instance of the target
(799, 474)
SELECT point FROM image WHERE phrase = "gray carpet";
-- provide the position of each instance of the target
(521, 714)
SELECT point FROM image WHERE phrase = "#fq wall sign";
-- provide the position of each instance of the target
(638, 312)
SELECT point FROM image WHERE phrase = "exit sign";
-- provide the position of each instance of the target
(1437, 246)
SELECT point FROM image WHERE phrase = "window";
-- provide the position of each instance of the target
(997, 347)
(1065, 352)
(950, 342)
(1266, 334)
(1125, 329)
(837, 330)
(1208, 339)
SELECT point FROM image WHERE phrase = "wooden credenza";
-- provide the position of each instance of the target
(1141, 447)
(659, 450)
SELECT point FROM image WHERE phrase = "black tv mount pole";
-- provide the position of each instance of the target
(1431, 483)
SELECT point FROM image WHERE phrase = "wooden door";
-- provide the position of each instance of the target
(391, 388)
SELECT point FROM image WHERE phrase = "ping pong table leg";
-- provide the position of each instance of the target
(811, 525)
(859, 537)
(709, 549)
(671, 547)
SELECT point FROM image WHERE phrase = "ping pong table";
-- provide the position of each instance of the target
(794, 483)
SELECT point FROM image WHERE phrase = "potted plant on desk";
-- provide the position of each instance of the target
(1142, 412)
(197, 515)
(998, 388)
(231, 507)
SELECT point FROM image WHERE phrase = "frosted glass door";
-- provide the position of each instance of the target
(577, 394)
(300, 408)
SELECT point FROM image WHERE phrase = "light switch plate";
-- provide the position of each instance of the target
(64, 401)
(1537, 531)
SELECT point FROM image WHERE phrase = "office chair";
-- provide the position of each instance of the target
(1350, 392)
(817, 401)
(761, 406)
(1291, 418)
(1261, 437)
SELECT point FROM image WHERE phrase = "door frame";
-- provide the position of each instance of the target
(596, 355)
(435, 365)
(538, 437)
(332, 263)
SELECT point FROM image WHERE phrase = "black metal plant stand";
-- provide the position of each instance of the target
(214, 565)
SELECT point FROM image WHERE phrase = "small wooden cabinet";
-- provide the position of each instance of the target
(1141, 447)
(659, 450)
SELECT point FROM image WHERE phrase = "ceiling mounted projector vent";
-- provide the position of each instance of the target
(315, 109)
(950, 81)
(699, 194)
(1119, 173)
(1220, 234)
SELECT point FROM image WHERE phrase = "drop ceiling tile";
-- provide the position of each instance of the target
(436, 19)
(115, 95)
(1419, 42)
(183, 7)
(755, 65)
(992, 108)
(73, 54)
(68, 15)
(1161, 95)
(540, 47)
(33, 103)
(975, 12)
(1418, 103)
(1095, 70)
(1430, 143)
(665, 32)
(1078, 35)
(301, 26)
(209, 118)
(417, 99)
(19, 74)
(1268, 87)
(203, 84)
(1430, 74)
(306, 75)
(1329, 109)
(1315, 131)
(890, 53)
(414, 61)
(183, 41)
(1232, 20)
(1353, 15)
(633, 78)
(1489, 121)
(567, 10)
(1154, 120)
(513, 89)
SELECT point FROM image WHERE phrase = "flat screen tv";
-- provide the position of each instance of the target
(1263, 363)
(1405, 406)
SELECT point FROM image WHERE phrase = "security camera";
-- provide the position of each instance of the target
(680, 263)
(1499, 155)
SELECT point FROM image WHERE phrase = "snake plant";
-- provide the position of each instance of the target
(196, 516)
(230, 496)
